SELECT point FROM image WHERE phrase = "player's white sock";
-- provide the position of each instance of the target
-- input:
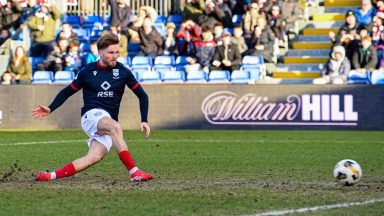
(53, 175)
(134, 169)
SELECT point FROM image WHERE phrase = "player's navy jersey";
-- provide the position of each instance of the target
(103, 87)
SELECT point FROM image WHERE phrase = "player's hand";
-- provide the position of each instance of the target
(145, 125)
(41, 112)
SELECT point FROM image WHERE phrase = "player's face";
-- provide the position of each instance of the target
(109, 55)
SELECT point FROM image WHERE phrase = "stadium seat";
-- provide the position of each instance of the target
(240, 77)
(160, 27)
(355, 77)
(42, 77)
(150, 77)
(34, 61)
(64, 77)
(181, 62)
(229, 30)
(73, 20)
(219, 76)
(377, 77)
(197, 77)
(126, 61)
(90, 21)
(139, 72)
(164, 62)
(236, 19)
(85, 47)
(142, 62)
(161, 19)
(177, 19)
(173, 77)
(82, 33)
(95, 34)
(254, 73)
(251, 62)
(133, 49)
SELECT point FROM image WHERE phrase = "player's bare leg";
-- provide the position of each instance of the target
(96, 152)
(108, 126)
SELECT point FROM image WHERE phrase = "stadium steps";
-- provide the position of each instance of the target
(345, 3)
(328, 17)
(312, 45)
(297, 71)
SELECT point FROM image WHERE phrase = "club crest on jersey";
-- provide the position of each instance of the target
(115, 73)
(94, 73)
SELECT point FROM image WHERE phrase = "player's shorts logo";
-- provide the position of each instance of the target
(105, 85)
(115, 73)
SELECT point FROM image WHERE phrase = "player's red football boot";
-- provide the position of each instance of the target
(140, 176)
(43, 176)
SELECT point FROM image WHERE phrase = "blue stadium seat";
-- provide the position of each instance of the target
(173, 77)
(85, 47)
(197, 77)
(161, 19)
(82, 33)
(95, 34)
(177, 19)
(89, 21)
(236, 19)
(219, 76)
(150, 77)
(229, 30)
(42, 77)
(126, 61)
(240, 77)
(139, 72)
(133, 49)
(73, 20)
(142, 62)
(34, 61)
(355, 77)
(254, 73)
(181, 61)
(164, 62)
(160, 27)
(64, 77)
(377, 77)
(249, 62)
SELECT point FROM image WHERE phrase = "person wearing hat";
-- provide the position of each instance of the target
(227, 55)
(170, 41)
(337, 68)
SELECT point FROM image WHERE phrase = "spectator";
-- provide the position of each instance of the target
(267, 5)
(192, 28)
(365, 13)
(249, 21)
(365, 57)
(123, 44)
(275, 20)
(43, 25)
(218, 31)
(238, 39)
(72, 59)
(92, 56)
(10, 13)
(226, 7)
(20, 67)
(120, 14)
(138, 21)
(377, 30)
(227, 56)
(262, 41)
(151, 41)
(4, 36)
(337, 69)
(170, 42)
(56, 58)
(290, 12)
(68, 33)
(193, 9)
(188, 48)
(7, 77)
(347, 34)
(212, 15)
(205, 49)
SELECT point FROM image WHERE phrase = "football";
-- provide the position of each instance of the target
(348, 172)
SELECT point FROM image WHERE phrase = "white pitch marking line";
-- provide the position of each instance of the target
(317, 208)
(196, 141)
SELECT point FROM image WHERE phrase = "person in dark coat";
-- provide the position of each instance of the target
(212, 15)
(120, 14)
(10, 14)
(275, 20)
(227, 56)
(290, 11)
(56, 58)
(193, 9)
(151, 42)
(365, 57)
(205, 49)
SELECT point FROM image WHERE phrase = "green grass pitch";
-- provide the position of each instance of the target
(204, 172)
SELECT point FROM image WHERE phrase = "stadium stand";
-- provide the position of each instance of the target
(64, 77)
(197, 77)
(173, 77)
(150, 77)
(42, 77)
(356, 77)
(219, 76)
(240, 77)
(377, 77)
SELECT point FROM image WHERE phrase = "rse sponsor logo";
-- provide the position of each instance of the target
(105, 85)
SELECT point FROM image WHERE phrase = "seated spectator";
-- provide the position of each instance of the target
(6, 78)
(249, 21)
(192, 28)
(377, 30)
(10, 13)
(337, 68)
(193, 9)
(72, 59)
(120, 14)
(290, 12)
(43, 26)
(170, 41)
(365, 13)
(68, 33)
(347, 34)
(227, 56)
(188, 47)
(138, 21)
(365, 57)
(212, 15)
(151, 42)
(205, 49)
(92, 56)
(123, 43)
(56, 58)
(218, 31)
(20, 67)
(275, 20)
(238, 39)
(262, 41)
(4, 36)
